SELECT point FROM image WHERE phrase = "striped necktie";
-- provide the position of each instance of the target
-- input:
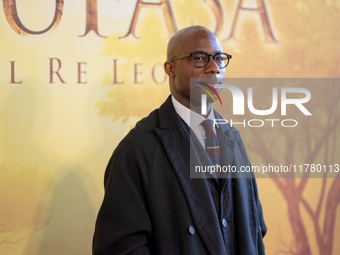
(211, 143)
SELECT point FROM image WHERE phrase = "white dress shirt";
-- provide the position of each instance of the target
(193, 119)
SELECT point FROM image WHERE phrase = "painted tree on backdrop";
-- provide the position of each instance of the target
(314, 140)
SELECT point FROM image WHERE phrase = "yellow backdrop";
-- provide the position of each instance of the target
(76, 75)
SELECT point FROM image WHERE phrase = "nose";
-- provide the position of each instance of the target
(212, 67)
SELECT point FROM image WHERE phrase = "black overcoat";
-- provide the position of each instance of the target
(152, 206)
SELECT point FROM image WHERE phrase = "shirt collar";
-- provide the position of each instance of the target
(191, 118)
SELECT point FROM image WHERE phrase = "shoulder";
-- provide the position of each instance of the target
(231, 132)
(236, 135)
(133, 156)
(142, 135)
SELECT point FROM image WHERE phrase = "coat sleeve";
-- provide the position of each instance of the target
(260, 212)
(255, 190)
(123, 224)
(256, 214)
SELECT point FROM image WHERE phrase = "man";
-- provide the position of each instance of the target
(151, 205)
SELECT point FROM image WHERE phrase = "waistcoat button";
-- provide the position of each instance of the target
(258, 229)
(224, 223)
(191, 230)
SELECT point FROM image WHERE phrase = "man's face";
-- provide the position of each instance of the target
(184, 69)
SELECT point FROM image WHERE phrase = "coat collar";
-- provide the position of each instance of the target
(173, 131)
(168, 118)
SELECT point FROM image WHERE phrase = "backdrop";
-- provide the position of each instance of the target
(77, 75)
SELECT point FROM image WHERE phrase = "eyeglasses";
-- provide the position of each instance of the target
(201, 58)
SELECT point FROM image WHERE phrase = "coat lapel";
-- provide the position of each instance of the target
(173, 133)
(226, 145)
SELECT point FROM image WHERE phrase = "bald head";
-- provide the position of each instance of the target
(181, 41)
(181, 69)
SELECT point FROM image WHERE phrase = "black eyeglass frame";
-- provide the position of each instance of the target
(213, 56)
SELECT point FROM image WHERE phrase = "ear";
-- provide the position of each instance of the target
(169, 69)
